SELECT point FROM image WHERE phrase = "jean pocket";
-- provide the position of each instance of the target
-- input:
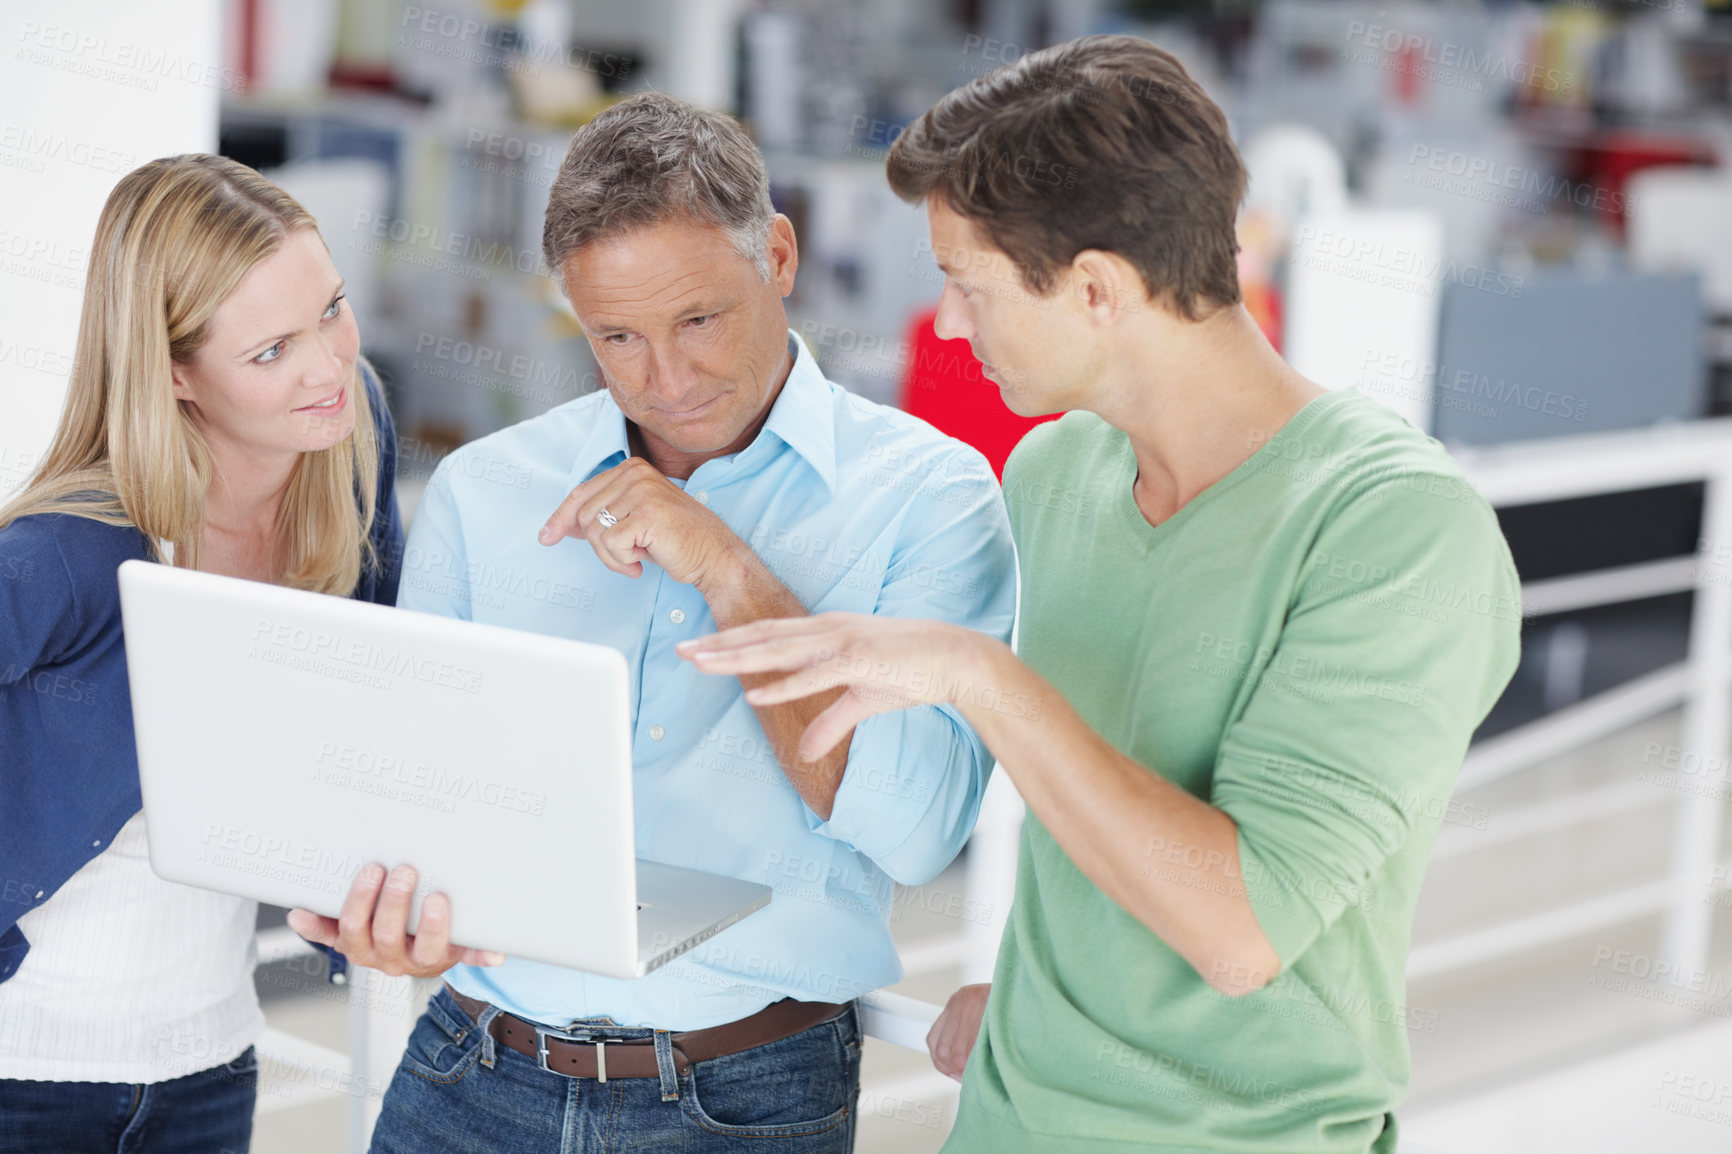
(440, 1050)
(798, 1086)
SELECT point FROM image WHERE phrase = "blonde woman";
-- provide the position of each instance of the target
(219, 417)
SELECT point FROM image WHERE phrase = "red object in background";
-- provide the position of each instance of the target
(1263, 302)
(1405, 82)
(249, 33)
(367, 77)
(945, 387)
(1604, 166)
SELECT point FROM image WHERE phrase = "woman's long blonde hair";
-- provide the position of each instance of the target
(175, 238)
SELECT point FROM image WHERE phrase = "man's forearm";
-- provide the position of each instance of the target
(1109, 814)
(749, 592)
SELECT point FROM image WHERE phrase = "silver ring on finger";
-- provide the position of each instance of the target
(608, 520)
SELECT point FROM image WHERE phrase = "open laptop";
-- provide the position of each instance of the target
(286, 739)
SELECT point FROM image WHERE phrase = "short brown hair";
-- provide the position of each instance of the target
(651, 158)
(1103, 142)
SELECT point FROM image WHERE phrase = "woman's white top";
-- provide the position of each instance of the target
(130, 978)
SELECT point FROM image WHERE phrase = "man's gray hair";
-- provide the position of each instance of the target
(652, 158)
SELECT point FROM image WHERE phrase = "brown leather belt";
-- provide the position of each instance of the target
(602, 1060)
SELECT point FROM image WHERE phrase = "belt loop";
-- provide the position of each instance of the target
(665, 1066)
(488, 1054)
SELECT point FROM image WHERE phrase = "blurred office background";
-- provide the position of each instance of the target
(1512, 222)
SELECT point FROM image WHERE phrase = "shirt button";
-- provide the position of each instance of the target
(703, 498)
(677, 616)
(657, 733)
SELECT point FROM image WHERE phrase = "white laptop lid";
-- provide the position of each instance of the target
(286, 738)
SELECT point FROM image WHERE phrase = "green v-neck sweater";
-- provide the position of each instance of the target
(1308, 645)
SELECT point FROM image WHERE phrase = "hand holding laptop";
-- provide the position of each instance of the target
(424, 741)
(372, 929)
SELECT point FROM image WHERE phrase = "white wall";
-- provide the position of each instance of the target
(89, 90)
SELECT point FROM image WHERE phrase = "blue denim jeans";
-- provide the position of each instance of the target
(458, 1092)
(210, 1112)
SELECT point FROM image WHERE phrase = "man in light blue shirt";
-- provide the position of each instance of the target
(717, 480)
(816, 496)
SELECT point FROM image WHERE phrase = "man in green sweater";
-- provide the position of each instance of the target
(1259, 624)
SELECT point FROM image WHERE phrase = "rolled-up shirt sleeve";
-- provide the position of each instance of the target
(914, 779)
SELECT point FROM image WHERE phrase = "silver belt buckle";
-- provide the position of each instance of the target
(541, 1037)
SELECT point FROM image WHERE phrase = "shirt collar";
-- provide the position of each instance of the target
(801, 419)
(605, 442)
